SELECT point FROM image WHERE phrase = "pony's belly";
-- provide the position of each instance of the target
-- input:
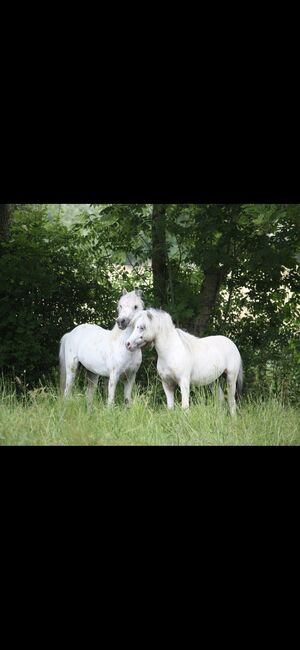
(95, 365)
(94, 358)
(204, 377)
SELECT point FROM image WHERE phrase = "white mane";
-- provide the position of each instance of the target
(161, 316)
(164, 319)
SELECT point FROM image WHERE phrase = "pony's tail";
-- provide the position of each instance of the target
(62, 364)
(240, 381)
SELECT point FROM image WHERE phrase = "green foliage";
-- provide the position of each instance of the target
(49, 284)
(64, 265)
(68, 213)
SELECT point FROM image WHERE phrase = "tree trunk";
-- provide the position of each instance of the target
(159, 255)
(208, 297)
(4, 221)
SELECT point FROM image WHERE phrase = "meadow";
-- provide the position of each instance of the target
(42, 418)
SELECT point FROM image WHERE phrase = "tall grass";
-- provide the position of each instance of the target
(41, 417)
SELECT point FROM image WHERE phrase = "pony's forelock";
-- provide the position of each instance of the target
(161, 317)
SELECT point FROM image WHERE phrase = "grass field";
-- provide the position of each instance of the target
(44, 419)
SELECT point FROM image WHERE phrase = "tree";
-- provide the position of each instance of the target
(159, 255)
(215, 252)
(4, 221)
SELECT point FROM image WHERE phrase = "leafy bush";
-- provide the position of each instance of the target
(48, 285)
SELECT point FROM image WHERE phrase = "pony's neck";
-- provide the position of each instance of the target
(163, 337)
(118, 334)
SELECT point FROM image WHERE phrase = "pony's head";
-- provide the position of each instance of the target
(143, 332)
(130, 304)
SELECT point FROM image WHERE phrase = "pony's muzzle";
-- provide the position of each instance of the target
(122, 323)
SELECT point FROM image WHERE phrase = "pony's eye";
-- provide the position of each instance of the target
(136, 306)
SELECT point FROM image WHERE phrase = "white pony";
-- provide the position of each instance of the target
(103, 352)
(184, 359)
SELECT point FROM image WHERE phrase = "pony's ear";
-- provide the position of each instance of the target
(138, 292)
(149, 315)
(124, 292)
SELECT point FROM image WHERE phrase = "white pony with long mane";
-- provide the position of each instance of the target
(103, 352)
(184, 359)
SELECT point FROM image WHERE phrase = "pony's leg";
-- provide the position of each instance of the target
(220, 395)
(112, 385)
(231, 390)
(217, 392)
(169, 392)
(105, 387)
(129, 383)
(185, 392)
(69, 367)
(92, 385)
(70, 378)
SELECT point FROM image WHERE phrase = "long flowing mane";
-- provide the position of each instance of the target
(165, 322)
(164, 319)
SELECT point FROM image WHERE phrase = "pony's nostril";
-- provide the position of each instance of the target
(121, 322)
(128, 345)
